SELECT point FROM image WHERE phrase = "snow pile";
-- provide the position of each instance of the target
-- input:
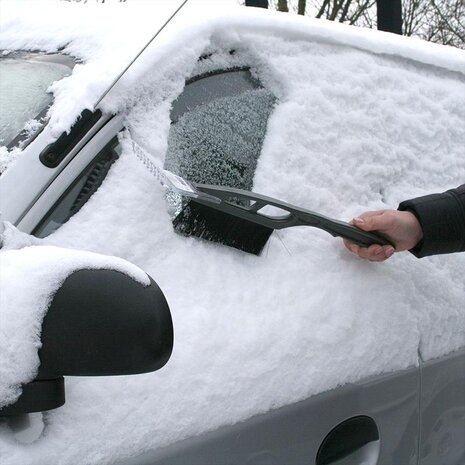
(29, 277)
(358, 124)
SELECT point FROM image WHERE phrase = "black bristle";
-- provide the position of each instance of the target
(205, 222)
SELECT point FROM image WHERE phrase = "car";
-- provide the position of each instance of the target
(303, 354)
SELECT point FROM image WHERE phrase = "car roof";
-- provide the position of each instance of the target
(107, 38)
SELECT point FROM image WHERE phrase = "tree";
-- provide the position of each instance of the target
(389, 15)
(345, 11)
(257, 3)
(283, 6)
(441, 21)
(447, 24)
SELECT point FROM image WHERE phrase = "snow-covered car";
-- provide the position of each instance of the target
(303, 354)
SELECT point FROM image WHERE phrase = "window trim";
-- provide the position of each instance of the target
(110, 145)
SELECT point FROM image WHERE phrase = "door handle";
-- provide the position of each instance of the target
(353, 442)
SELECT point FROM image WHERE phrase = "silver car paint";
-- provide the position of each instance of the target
(420, 414)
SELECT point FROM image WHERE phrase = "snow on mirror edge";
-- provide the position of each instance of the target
(351, 131)
(30, 274)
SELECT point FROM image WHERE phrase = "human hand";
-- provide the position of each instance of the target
(401, 228)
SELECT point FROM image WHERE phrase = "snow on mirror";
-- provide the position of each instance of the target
(218, 127)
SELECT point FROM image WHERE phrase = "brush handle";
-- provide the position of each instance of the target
(255, 206)
(351, 233)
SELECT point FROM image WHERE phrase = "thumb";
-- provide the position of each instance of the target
(373, 221)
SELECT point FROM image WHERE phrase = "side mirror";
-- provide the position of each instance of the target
(99, 323)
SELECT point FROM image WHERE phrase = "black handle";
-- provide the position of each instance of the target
(254, 203)
(352, 233)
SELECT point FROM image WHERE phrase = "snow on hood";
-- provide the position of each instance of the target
(362, 121)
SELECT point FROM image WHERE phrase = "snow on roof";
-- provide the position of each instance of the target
(107, 37)
(362, 121)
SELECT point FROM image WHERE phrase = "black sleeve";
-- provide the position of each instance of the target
(442, 218)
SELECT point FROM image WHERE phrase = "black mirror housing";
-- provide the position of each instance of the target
(99, 323)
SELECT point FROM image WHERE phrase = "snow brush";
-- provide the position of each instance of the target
(243, 219)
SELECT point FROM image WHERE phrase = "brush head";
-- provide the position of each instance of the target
(198, 220)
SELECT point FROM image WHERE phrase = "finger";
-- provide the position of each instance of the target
(351, 247)
(374, 253)
(374, 221)
(348, 244)
(377, 253)
(370, 214)
(363, 252)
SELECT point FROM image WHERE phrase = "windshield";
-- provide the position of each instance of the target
(24, 80)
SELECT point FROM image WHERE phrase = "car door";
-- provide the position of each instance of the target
(373, 422)
(443, 410)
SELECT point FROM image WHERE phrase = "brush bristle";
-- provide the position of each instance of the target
(213, 225)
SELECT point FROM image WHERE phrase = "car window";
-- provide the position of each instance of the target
(80, 190)
(24, 81)
(218, 127)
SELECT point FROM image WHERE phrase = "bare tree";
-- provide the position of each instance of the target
(345, 11)
(257, 3)
(441, 21)
(448, 25)
(283, 6)
(415, 16)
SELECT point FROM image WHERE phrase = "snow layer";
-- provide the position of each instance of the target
(107, 37)
(29, 278)
(361, 122)
(104, 38)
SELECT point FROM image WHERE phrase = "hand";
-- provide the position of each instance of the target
(401, 228)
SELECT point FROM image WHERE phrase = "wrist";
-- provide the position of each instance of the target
(414, 231)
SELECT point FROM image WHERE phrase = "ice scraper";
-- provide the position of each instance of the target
(243, 219)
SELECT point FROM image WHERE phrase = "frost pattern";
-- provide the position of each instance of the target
(220, 142)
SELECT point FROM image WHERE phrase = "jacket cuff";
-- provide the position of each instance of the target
(441, 217)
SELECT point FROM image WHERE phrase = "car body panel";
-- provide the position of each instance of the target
(293, 434)
(443, 410)
(68, 172)
(37, 179)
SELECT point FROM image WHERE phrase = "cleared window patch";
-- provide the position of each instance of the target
(218, 127)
